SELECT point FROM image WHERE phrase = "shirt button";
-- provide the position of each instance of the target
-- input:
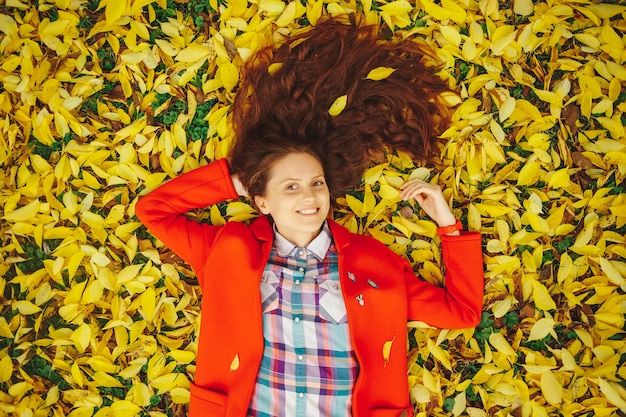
(297, 282)
(296, 319)
(301, 253)
(301, 269)
(301, 395)
(300, 357)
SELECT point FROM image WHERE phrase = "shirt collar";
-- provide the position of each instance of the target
(318, 246)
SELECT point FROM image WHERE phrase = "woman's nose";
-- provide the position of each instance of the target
(308, 193)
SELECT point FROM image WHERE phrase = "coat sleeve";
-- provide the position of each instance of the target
(459, 304)
(163, 210)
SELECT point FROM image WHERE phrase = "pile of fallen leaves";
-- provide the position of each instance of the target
(101, 101)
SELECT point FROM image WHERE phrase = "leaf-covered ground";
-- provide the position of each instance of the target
(103, 100)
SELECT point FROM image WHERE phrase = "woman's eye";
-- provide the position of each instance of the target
(318, 183)
(291, 187)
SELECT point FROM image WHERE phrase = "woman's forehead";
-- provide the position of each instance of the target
(296, 166)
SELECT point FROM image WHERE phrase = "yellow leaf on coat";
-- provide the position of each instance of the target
(234, 365)
(387, 350)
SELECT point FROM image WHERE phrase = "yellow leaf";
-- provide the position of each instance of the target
(612, 393)
(457, 13)
(372, 175)
(140, 394)
(612, 273)
(523, 7)
(167, 47)
(234, 365)
(20, 388)
(559, 179)
(469, 49)
(25, 213)
(369, 201)
(169, 381)
(541, 329)
(588, 39)
(380, 73)
(551, 388)
(26, 307)
(82, 398)
(124, 408)
(387, 350)
(435, 11)
(614, 126)
(313, 13)
(81, 337)
(148, 304)
(272, 7)
(617, 70)
(77, 374)
(183, 356)
(529, 174)
(56, 28)
(606, 11)
(451, 34)
(502, 37)
(498, 341)
(388, 192)
(180, 395)
(542, 297)
(474, 221)
(383, 237)
(114, 10)
(6, 367)
(338, 105)
(93, 292)
(506, 108)
(287, 16)
(493, 209)
(193, 53)
(103, 379)
(229, 74)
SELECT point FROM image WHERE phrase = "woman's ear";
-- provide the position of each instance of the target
(261, 204)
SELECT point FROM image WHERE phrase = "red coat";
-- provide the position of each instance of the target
(230, 259)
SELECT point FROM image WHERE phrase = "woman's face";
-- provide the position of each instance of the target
(297, 197)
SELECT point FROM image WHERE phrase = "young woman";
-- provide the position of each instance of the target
(300, 316)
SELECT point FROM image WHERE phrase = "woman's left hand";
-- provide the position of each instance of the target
(431, 199)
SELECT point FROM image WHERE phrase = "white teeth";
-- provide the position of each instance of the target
(308, 211)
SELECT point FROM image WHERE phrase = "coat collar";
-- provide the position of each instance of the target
(262, 229)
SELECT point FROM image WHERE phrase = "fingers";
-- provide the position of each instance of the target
(418, 189)
(239, 188)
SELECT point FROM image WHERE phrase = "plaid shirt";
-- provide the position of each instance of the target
(308, 367)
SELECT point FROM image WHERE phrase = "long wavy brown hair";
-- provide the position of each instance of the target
(283, 102)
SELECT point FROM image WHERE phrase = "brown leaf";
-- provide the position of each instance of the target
(571, 114)
(581, 160)
(527, 312)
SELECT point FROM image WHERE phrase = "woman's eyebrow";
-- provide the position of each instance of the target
(299, 179)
